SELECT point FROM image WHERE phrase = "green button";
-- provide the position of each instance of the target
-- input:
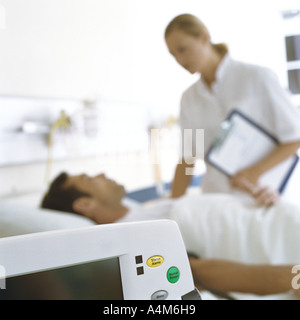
(173, 275)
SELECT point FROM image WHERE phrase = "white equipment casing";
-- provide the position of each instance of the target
(152, 256)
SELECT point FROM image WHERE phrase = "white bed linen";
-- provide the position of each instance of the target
(212, 226)
(22, 216)
(215, 226)
(223, 226)
(16, 219)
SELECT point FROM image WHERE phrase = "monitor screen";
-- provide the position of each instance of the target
(96, 280)
(292, 44)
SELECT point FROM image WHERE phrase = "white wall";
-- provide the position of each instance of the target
(115, 50)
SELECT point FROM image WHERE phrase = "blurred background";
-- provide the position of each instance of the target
(82, 82)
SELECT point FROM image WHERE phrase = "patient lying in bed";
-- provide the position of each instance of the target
(213, 226)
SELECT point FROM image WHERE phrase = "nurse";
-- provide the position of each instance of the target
(224, 85)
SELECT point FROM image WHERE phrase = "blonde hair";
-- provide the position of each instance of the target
(193, 26)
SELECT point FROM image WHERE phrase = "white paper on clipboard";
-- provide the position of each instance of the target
(241, 143)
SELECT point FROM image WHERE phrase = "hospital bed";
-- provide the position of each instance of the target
(18, 222)
(140, 260)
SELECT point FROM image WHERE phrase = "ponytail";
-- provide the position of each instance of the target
(221, 48)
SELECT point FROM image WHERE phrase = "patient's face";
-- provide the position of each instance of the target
(99, 187)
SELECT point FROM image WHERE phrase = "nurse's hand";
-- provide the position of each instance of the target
(245, 179)
(265, 196)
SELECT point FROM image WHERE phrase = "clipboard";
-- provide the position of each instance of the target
(240, 142)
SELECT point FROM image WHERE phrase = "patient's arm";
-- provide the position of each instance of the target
(229, 276)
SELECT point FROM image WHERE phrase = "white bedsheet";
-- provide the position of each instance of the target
(22, 216)
(222, 226)
(16, 219)
(213, 226)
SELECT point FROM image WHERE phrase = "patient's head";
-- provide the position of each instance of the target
(97, 198)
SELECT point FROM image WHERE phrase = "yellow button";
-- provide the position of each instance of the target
(155, 261)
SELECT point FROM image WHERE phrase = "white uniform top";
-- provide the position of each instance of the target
(253, 90)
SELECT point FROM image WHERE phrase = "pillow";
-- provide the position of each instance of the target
(16, 219)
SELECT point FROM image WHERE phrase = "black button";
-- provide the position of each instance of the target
(139, 271)
(138, 259)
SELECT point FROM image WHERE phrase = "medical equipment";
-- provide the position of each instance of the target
(64, 123)
(139, 260)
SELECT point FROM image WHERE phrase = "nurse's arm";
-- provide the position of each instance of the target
(181, 179)
(281, 153)
(252, 174)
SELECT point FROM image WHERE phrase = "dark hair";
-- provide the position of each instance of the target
(60, 197)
